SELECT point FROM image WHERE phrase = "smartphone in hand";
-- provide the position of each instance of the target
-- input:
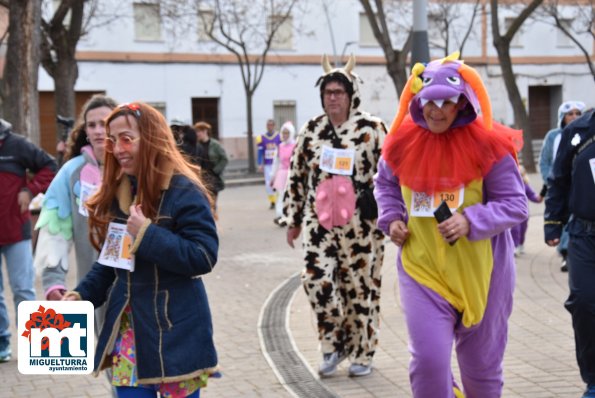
(443, 213)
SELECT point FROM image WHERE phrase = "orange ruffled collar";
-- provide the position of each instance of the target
(428, 162)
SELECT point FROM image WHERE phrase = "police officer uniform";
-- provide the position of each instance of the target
(571, 200)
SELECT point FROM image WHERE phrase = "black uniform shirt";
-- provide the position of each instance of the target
(571, 185)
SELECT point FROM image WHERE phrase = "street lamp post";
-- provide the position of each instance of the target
(420, 51)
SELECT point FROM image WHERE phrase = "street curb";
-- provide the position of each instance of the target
(279, 348)
(240, 182)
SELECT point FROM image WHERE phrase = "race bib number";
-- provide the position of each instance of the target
(87, 190)
(423, 205)
(116, 249)
(337, 161)
(270, 153)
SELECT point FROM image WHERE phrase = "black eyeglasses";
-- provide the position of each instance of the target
(336, 93)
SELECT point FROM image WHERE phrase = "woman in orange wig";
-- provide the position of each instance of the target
(153, 198)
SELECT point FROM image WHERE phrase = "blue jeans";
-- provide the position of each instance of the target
(21, 276)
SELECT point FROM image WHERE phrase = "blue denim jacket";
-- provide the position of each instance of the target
(170, 310)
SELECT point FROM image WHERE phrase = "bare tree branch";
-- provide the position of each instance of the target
(502, 44)
(248, 31)
(395, 59)
(584, 15)
(476, 9)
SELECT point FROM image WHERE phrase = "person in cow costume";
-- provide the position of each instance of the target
(330, 198)
(456, 276)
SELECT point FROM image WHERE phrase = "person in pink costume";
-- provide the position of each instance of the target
(456, 277)
(281, 168)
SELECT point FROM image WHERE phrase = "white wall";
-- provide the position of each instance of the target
(176, 83)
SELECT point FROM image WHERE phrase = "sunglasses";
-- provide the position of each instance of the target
(125, 142)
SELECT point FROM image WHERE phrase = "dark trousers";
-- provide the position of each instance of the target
(581, 302)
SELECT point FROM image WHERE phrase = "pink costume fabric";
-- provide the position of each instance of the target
(335, 202)
(285, 151)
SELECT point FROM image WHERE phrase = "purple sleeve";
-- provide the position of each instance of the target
(531, 195)
(387, 191)
(505, 202)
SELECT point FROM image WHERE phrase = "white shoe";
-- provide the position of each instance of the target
(357, 370)
(328, 367)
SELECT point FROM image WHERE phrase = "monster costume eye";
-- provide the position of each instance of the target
(426, 80)
(454, 80)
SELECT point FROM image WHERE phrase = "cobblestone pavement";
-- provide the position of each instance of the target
(254, 260)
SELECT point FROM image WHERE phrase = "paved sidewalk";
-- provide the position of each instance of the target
(254, 260)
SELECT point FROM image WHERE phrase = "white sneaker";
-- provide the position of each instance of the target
(328, 367)
(357, 370)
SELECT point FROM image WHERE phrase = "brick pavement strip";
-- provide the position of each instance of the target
(254, 259)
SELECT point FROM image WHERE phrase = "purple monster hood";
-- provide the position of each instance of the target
(441, 81)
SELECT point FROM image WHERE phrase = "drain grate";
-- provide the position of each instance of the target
(279, 350)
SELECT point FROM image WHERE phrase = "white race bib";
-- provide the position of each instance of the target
(116, 249)
(592, 164)
(337, 161)
(423, 205)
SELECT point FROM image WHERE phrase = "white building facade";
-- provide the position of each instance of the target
(188, 77)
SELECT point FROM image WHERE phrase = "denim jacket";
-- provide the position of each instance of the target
(170, 310)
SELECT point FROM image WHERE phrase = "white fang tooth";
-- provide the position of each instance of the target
(454, 99)
(439, 103)
(423, 102)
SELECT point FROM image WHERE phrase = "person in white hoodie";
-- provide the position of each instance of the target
(281, 169)
(567, 112)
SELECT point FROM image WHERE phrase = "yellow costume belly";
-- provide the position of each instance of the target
(460, 273)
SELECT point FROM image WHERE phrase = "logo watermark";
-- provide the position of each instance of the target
(56, 337)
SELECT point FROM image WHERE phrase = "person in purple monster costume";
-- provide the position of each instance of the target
(456, 277)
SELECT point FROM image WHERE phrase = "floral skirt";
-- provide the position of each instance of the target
(124, 372)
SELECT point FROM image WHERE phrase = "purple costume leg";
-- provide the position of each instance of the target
(434, 325)
(524, 226)
(430, 323)
(480, 349)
